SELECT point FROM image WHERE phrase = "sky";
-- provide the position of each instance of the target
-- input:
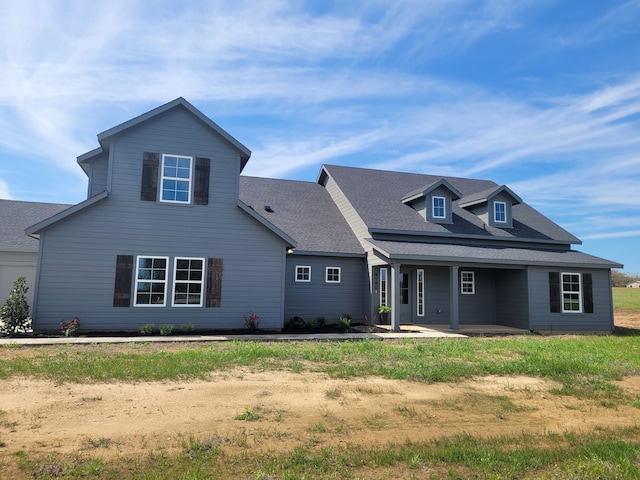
(542, 96)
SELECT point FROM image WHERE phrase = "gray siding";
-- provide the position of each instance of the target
(98, 177)
(79, 254)
(541, 317)
(14, 265)
(321, 299)
(512, 305)
(437, 296)
(478, 308)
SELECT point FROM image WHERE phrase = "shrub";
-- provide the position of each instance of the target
(70, 328)
(187, 327)
(15, 312)
(344, 323)
(313, 324)
(166, 329)
(148, 329)
(252, 321)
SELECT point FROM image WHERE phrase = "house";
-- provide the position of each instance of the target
(172, 232)
(18, 252)
(633, 285)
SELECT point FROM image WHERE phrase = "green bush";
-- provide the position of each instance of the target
(166, 329)
(15, 312)
(187, 327)
(148, 329)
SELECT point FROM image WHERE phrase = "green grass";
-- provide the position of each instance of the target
(627, 299)
(580, 363)
(606, 454)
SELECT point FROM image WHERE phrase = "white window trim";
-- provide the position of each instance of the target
(420, 291)
(296, 274)
(579, 292)
(165, 281)
(326, 274)
(433, 207)
(385, 281)
(176, 281)
(163, 178)
(495, 212)
(463, 282)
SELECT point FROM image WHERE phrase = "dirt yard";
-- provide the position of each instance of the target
(276, 411)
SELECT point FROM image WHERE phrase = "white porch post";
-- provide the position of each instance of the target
(454, 307)
(394, 290)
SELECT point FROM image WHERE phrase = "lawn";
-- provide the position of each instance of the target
(627, 299)
(519, 407)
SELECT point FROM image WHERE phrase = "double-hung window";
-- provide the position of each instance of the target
(438, 207)
(571, 293)
(383, 286)
(187, 284)
(468, 283)
(151, 281)
(500, 212)
(177, 175)
(303, 273)
(333, 275)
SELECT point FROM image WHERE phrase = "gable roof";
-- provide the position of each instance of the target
(304, 211)
(17, 216)
(421, 192)
(377, 196)
(486, 195)
(105, 137)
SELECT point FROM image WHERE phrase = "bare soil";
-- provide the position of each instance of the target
(288, 409)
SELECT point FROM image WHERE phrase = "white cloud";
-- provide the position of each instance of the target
(4, 190)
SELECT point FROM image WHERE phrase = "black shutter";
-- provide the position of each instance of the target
(149, 184)
(122, 287)
(587, 296)
(201, 190)
(214, 282)
(554, 292)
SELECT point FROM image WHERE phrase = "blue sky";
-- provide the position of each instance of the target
(541, 95)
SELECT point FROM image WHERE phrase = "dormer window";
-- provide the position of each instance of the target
(177, 173)
(439, 209)
(500, 212)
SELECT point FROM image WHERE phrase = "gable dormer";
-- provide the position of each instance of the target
(434, 201)
(493, 206)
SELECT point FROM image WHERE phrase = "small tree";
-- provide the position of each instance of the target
(15, 312)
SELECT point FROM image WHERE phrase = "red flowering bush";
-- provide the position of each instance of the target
(70, 328)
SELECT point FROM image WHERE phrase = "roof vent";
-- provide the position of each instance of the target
(268, 208)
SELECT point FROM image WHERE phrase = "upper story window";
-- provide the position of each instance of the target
(438, 207)
(500, 212)
(177, 174)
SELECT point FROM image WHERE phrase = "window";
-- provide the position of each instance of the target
(151, 281)
(420, 293)
(188, 277)
(383, 286)
(176, 179)
(500, 212)
(438, 210)
(303, 273)
(333, 275)
(468, 284)
(571, 293)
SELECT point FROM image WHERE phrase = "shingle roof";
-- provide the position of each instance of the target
(377, 197)
(495, 255)
(16, 216)
(304, 211)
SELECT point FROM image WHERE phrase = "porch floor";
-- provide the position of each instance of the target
(464, 329)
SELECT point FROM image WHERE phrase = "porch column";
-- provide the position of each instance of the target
(454, 296)
(394, 290)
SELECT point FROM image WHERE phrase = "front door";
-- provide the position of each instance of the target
(406, 294)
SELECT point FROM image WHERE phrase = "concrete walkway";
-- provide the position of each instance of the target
(262, 337)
